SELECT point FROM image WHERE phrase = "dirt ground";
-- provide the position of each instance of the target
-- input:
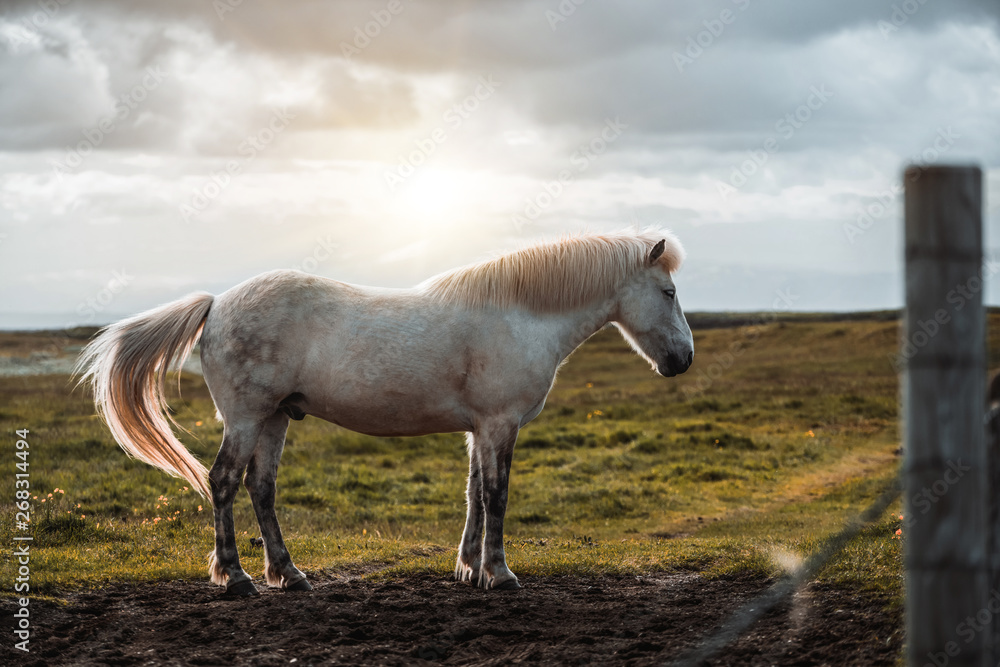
(429, 619)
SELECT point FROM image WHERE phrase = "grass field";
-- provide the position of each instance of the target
(623, 472)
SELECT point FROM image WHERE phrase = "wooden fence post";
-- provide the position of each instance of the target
(943, 357)
(993, 516)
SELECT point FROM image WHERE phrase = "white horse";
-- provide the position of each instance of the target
(475, 349)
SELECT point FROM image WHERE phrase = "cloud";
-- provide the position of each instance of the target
(805, 111)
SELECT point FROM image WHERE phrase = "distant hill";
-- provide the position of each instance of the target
(725, 320)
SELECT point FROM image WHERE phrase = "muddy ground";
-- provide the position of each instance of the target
(429, 619)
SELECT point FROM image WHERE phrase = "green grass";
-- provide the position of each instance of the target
(623, 472)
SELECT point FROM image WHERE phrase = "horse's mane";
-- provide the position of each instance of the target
(569, 273)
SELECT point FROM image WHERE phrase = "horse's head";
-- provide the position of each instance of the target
(650, 316)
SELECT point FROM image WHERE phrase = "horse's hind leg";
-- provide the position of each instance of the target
(238, 445)
(471, 548)
(260, 480)
(494, 447)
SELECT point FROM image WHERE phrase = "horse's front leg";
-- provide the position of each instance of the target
(470, 550)
(494, 447)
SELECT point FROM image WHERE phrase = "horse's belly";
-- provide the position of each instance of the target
(388, 416)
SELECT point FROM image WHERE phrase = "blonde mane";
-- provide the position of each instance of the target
(569, 273)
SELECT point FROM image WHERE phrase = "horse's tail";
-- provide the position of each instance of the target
(126, 365)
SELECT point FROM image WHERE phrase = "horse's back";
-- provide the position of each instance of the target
(352, 355)
(379, 361)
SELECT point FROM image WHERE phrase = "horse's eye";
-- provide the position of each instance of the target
(670, 293)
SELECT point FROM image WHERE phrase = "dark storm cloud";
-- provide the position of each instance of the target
(562, 68)
(448, 35)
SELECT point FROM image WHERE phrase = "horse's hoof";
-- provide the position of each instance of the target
(471, 576)
(242, 589)
(300, 585)
(509, 585)
(465, 573)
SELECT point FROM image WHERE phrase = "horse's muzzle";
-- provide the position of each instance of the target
(675, 364)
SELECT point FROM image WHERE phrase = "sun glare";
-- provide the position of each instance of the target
(434, 196)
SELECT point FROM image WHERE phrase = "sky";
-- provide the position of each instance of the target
(151, 149)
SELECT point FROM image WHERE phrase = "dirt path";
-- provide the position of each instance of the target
(427, 619)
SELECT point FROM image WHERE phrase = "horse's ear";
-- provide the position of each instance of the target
(657, 251)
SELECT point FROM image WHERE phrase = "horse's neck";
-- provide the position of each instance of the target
(576, 326)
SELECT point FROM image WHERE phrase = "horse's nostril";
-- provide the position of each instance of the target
(690, 357)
